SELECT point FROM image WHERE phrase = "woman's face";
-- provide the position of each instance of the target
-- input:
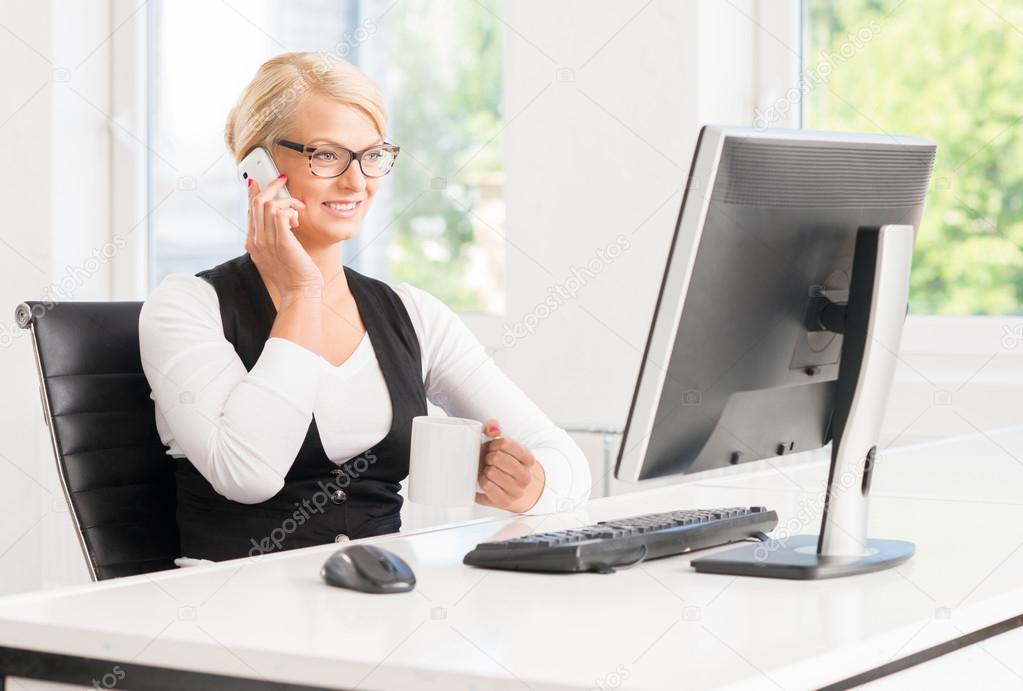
(322, 120)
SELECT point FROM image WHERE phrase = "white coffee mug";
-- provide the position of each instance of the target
(444, 460)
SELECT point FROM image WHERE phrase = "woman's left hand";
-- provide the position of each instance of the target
(509, 474)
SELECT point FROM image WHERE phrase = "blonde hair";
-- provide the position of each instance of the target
(266, 106)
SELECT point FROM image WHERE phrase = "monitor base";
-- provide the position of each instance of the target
(796, 557)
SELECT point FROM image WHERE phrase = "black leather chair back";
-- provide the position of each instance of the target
(115, 473)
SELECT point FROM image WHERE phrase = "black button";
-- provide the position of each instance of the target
(338, 496)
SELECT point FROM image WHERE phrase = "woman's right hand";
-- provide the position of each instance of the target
(275, 250)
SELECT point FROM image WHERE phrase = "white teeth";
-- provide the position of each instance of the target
(348, 206)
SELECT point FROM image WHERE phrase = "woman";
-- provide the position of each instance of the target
(285, 383)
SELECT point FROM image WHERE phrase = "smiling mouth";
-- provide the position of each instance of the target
(341, 206)
(342, 210)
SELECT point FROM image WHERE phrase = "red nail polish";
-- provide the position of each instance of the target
(250, 182)
(281, 176)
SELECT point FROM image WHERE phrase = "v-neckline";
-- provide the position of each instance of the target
(355, 357)
(365, 303)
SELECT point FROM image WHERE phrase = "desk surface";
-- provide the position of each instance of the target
(659, 625)
(991, 665)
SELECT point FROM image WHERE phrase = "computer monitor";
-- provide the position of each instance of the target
(778, 323)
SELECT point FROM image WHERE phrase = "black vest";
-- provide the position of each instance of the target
(320, 500)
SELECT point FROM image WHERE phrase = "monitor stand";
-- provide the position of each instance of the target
(872, 328)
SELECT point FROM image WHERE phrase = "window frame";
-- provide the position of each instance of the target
(130, 198)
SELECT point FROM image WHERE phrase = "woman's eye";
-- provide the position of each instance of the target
(325, 156)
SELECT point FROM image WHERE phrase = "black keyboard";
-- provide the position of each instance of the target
(611, 545)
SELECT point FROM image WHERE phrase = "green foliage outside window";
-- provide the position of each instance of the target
(952, 71)
(446, 115)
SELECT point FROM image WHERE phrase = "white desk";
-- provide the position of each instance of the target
(659, 625)
(990, 665)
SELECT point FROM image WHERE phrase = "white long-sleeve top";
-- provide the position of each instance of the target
(243, 429)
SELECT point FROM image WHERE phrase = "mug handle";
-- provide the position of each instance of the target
(485, 438)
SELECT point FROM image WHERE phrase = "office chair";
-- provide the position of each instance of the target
(114, 471)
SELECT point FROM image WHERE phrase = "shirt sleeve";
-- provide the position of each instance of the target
(465, 382)
(214, 412)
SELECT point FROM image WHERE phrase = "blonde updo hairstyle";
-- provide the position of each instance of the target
(264, 110)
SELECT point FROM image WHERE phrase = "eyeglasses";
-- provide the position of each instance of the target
(330, 161)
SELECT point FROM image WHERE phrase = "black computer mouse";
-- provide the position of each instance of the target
(368, 569)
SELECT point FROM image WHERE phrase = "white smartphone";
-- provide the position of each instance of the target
(260, 167)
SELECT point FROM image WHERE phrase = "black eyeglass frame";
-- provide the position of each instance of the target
(352, 155)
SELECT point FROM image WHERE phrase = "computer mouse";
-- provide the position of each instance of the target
(368, 569)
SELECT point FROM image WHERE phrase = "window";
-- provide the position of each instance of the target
(947, 70)
(438, 220)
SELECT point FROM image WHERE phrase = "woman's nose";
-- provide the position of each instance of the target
(353, 178)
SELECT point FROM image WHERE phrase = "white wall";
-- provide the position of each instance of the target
(25, 250)
(54, 186)
(621, 96)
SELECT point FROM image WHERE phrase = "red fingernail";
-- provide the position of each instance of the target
(250, 182)
(281, 176)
